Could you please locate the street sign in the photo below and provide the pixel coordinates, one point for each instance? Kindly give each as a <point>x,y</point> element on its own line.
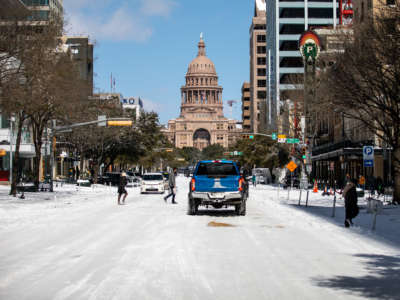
<point>281,138</point>
<point>292,141</point>
<point>274,136</point>
<point>291,166</point>
<point>102,118</point>
<point>368,156</point>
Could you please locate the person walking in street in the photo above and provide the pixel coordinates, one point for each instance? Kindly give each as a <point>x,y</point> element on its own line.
<point>254,179</point>
<point>172,186</point>
<point>350,202</point>
<point>123,181</point>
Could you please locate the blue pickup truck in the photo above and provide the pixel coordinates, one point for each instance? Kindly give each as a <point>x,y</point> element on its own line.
<point>217,183</point>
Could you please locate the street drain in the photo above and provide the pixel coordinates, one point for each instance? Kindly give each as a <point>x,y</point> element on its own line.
<point>218,224</point>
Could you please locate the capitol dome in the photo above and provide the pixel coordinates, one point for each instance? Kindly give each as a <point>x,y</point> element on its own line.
<point>201,65</point>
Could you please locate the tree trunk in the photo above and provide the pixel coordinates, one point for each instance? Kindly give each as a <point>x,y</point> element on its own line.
<point>37,140</point>
<point>15,163</point>
<point>396,175</point>
<point>96,167</point>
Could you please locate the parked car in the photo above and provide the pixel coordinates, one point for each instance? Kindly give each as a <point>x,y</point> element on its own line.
<point>152,182</point>
<point>133,181</point>
<point>217,183</point>
<point>263,175</point>
<point>111,177</point>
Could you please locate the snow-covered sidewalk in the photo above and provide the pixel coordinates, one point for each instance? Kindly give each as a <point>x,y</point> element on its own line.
<point>387,227</point>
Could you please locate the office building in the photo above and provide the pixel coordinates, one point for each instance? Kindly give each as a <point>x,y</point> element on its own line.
<point>44,10</point>
<point>81,50</point>
<point>258,83</point>
<point>286,21</point>
<point>246,104</point>
<point>133,105</point>
<point>11,9</point>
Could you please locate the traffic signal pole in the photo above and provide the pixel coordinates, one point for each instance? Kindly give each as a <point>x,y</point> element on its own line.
<point>62,129</point>
<point>255,133</point>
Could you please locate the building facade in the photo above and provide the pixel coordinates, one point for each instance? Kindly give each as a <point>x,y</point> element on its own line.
<point>134,105</point>
<point>286,21</point>
<point>81,50</point>
<point>246,104</point>
<point>43,10</point>
<point>258,78</point>
<point>201,121</point>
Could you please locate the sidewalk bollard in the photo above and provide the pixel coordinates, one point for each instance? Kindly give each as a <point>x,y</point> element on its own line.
<point>334,206</point>
<point>307,198</point>
<point>374,206</point>
<point>300,196</point>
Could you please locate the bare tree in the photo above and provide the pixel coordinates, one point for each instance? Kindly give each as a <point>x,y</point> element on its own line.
<point>364,82</point>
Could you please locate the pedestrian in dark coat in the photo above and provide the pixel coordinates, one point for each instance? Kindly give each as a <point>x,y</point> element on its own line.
<point>123,181</point>
<point>172,186</point>
<point>350,202</point>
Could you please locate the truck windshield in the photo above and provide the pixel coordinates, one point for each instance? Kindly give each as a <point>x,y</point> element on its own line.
<point>217,169</point>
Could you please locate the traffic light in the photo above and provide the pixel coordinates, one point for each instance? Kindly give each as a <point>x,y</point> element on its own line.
<point>251,137</point>
<point>120,123</point>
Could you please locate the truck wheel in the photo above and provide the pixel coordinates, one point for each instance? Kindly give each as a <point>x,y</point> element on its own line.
<point>237,209</point>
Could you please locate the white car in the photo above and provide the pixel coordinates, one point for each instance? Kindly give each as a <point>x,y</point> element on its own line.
<point>152,182</point>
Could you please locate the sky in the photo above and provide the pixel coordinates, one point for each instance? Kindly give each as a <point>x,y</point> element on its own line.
<point>148,44</point>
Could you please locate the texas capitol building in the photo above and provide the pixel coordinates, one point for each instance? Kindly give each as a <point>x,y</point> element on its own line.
<point>201,122</point>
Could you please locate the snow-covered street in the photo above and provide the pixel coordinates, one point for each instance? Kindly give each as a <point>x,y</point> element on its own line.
<point>79,244</point>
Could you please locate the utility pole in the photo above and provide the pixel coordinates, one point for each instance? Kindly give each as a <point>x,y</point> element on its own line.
<point>309,47</point>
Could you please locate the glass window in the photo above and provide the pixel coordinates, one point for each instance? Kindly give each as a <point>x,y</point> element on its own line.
<point>261,72</point>
<point>261,61</point>
<point>261,83</point>
<point>217,169</point>
<point>261,95</point>
<point>261,49</point>
<point>261,38</point>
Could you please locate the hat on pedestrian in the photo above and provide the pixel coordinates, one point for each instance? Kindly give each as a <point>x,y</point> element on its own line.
<point>123,174</point>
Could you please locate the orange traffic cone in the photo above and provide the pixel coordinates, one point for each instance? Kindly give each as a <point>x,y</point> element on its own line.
<point>325,191</point>
<point>315,190</point>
